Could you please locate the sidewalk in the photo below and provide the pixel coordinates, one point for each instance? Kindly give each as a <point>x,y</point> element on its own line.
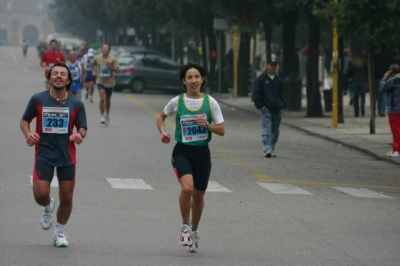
<point>353,133</point>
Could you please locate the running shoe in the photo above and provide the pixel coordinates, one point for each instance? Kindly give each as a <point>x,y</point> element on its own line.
<point>47,216</point>
<point>91,100</point>
<point>270,155</point>
<point>185,238</point>
<point>107,120</point>
<point>103,120</point>
<point>195,242</point>
<point>60,240</point>
<point>393,154</point>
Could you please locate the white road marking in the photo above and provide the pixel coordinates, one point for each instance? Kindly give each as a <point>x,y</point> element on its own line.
<point>214,186</point>
<point>362,192</point>
<point>13,56</point>
<point>128,183</point>
<point>54,182</point>
<point>283,189</point>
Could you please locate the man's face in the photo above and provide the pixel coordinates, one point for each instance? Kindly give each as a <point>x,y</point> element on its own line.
<point>72,56</point>
<point>59,78</point>
<point>53,46</point>
<point>105,49</point>
<point>271,69</point>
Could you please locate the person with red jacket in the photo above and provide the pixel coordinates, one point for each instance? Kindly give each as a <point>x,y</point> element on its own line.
<point>49,58</point>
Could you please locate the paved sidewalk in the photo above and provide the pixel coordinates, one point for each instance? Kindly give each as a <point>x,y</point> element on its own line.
<point>353,133</point>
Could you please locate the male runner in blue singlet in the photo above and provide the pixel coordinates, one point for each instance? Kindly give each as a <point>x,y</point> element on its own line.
<point>78,73</point>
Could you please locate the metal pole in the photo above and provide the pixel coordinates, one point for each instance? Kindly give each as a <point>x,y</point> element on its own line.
<point>235,59</point>
<point>335,75</point>
<point>219,41</point>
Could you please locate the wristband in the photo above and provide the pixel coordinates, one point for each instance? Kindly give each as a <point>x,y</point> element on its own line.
<point>81,135</point>
<point>208,125</point>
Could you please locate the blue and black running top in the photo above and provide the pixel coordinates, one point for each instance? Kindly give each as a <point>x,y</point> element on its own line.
<point>55,122</point>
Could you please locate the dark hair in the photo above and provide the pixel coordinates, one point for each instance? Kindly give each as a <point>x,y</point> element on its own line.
<point>59,64</point>
<point>185,68</point>
<point>109,46</point>
<point>53,40</point>
<point>395,68</point>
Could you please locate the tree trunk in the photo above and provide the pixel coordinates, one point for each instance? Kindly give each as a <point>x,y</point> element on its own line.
<point>372,88</point>
<point>314,107</point>
<point>287,64</point>
<point>244,66</point>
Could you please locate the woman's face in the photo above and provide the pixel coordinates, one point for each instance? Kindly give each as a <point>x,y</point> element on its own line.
<point>193,80</point>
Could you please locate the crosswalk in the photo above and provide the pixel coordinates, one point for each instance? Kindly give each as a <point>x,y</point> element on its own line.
<point>215,186</point>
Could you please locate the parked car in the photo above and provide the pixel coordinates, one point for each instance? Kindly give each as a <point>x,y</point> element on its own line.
<point>147,72</point>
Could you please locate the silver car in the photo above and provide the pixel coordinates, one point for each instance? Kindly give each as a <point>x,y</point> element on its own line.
<point>147,72</point>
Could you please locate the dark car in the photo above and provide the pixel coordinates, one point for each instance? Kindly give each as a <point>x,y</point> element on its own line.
<point>147,72</point>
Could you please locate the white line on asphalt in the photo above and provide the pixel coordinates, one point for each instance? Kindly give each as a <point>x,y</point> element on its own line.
<point>128,183</point>
<point>283,189</point>
<point>214,186</point>
<point>54,182</point>
<point>362,193</point>
<point>13,56</point>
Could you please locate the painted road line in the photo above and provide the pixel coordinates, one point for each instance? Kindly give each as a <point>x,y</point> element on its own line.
<point>128,183</point>
<point>283,189</point>
<point>362,192</point>
<point>214,186</point>
<point>54,182</point>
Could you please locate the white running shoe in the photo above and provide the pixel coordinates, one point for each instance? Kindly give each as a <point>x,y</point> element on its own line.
<point>185,238</point>
<point>60,240</point>
<point>393,154</point>
<point>47,216</point>
<point>107,120</point>
<point>195,242</point>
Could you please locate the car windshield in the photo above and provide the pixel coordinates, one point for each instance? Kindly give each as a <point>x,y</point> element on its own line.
<point>126,61</point>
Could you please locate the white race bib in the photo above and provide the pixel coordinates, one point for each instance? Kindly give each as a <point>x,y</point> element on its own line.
<point>191,131</point>
<point>104,71</point>
<point>55,120</point>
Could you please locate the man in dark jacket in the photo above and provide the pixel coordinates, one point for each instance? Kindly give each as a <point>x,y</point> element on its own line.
<point>268,98</point>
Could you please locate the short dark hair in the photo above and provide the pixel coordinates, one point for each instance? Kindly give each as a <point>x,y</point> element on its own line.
<point>53,40</point>
<point>395,68</point>
<point>59,64</point>
<point>185,68</point>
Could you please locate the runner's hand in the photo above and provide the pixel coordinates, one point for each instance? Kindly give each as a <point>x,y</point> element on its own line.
<point>76,137</point>
<point>165,137</point>
<point>32,139</point>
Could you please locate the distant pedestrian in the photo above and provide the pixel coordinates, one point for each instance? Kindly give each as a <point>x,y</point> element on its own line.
<point>357,76</point>
<point>49,58</point>
<point>194,113</point>
<point>57,113</point>
<point>103,68</point>
<point>78,73</point>
<point>25,48</point>
<point>391,85</point>
<point>268,98</point>
<point>90,79</point>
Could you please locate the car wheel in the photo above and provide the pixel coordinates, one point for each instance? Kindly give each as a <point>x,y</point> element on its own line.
<point>118,89</point>
<point>137,86</point>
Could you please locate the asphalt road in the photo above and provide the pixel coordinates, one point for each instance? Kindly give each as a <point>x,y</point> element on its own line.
<point>317,203</point>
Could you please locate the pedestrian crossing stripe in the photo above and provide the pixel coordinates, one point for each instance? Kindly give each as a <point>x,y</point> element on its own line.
<point>283,189</point>
<point>54,182</point>
<point>362,193</point>
<point>214,186</point>
<point>128,183</point>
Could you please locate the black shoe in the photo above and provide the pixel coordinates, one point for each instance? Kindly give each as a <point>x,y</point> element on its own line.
<point>270,155</point>
<point>351,101</point>
<point>382,114</point>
